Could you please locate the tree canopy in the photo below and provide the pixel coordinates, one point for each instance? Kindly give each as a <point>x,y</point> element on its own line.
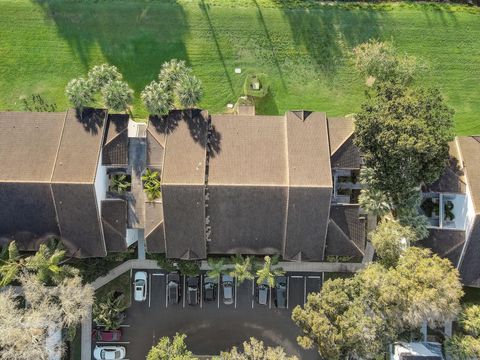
<point>465,345</point>
<point>157,99</point>
<point>117,95</point>
<point>189,91</point>
<point>255,350</point>
<point>171,349</point>
<point>79,93</point>
<point>403,134</point>
<point>360,316</point>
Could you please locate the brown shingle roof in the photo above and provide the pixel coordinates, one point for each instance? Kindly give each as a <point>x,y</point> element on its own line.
<point>115,147</point>
<point>114,220</point>
<point>339,130</point>
<point>308,151</point>
<point>185,150</point>
<point>79,150</point>
<point>29,145</point>
<point>253,151</point>
<point>347,156</point>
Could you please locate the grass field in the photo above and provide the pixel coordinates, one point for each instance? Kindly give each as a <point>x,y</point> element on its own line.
<point>44,43</point>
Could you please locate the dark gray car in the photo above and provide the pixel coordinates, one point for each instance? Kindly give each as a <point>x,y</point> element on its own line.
<point>281,292</point>
<point>263,290</point>
<point>173,286</point>
<point>209,289</point>
<point>193,290</point>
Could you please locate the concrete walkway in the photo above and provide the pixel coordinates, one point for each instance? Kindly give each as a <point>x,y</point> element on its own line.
<point>152,265</point>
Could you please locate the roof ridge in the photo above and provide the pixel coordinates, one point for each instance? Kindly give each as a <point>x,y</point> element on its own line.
<point>155,227</point>
<point>346,236</point>
<point>155,137</point>
<point>113,138</point>
<point>105,222</point>
<point>59,144</point>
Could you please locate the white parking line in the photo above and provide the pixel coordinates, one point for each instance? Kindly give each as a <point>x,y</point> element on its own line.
<point>166,293</point>
<point>112,342</point>
<point>313,277</point>
<point>270,298</point>
<point>201,291</point>
<point>184,290</point>
<point>288,289</point>
<point>296,277</point>
<point>218,293</point>
<point>253,292</point>
<point>304,290</point>
<point>235,288</point>
<point>149,289</point>
<point>158,274</point>
<point>125,325</point>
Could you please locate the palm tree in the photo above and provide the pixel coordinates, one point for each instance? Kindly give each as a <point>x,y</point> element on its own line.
<point>157,98</point>
<point>79,93</point>
<point>216,268</point>
<point>189,91</point>
<point>242,269</point>
<point>268,272</point>
<point>117,95</point>
<point>171,72</point>
<point>102,75</point>
<point>47,264</point>
<point>10,264</point>
<point>108,311</point>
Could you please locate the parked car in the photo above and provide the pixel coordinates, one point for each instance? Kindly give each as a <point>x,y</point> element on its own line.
<point>263,290</point>
<point>281,292</point>
<point>109,353</point>
<point>209,289</point>
<point>227,285</point>
<point>173,288</point>
<point>140,286</point>
<point>110,335</point>
<point>192,290</point>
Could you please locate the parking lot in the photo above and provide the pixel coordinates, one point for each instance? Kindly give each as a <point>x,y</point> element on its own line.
<point>214,326</point>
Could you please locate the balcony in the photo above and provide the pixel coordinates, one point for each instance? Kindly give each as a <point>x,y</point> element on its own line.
<point>445,210</point>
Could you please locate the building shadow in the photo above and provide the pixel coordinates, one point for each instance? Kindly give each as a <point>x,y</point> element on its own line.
<point>91,119</point>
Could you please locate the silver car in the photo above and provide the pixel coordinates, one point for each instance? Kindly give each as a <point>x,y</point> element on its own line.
<point>227,286</point>
<point>109,353</point>
<point>263,290</point>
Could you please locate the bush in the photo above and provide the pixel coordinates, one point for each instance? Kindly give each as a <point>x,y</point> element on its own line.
<point>256,85</point>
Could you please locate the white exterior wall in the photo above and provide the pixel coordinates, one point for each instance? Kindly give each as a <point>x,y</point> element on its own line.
<point>132,236</point>
<point>101,183</point>
<point>470,213</point>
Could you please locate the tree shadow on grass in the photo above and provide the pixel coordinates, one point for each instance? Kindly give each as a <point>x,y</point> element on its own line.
<point>136,37</point>
<point>328,32</point>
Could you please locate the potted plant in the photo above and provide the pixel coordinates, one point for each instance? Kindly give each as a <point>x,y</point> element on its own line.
<point>448,213</point>
<point>152,184</point>
<point>119,183</point>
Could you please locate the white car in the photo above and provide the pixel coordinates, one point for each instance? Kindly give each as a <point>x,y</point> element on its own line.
<point>109,353</point>
<point>140,285</point>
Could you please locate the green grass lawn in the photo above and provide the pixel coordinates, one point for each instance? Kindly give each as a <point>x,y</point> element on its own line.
<point>122,284</point>
<point>44,43</point>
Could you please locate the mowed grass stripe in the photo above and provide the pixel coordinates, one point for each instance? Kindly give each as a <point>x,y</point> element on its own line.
<point>304,51</point>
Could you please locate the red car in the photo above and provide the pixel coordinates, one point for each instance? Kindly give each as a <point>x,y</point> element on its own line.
<point>104,335</point>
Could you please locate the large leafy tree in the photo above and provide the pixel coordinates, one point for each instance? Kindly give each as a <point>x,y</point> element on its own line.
<point>255,350</point>
<point>465,345</point>
<point>117,95</point>
<point>359,316</point>
<point>25,329</point>
<point>79,93</point>
<point>390,240</point>
<point>403,134</point>
<point>380,62</point>
<point>269,271</point>
<point>171,349</point>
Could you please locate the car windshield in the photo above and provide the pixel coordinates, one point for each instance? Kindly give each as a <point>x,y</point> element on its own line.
<point>140,282</point>
<point>227,284</point>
